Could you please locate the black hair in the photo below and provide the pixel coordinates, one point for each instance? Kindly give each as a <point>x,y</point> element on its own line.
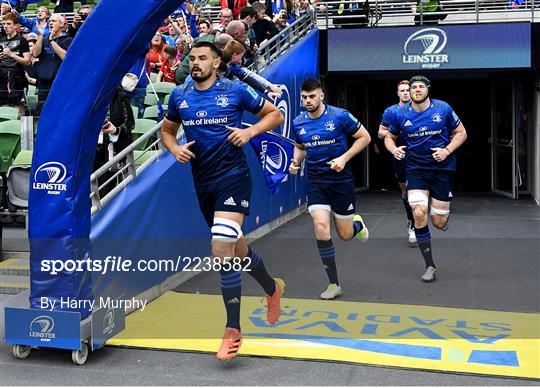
<point>210,45</point>
<point>420,78</point>
<point>310,85</point>
<point>246,11</point>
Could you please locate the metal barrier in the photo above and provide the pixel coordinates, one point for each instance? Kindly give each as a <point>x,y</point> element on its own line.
<point>125,167</point>
<point>278,44</point>
<point>373,13</point>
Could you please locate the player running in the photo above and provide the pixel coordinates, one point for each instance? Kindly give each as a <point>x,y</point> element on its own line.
<point>432,132</point>
<point>400,170</point>
<point>321,136</point>
<point>210,109</point>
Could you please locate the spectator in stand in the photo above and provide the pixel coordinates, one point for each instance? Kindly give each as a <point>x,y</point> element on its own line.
<point>14,56</point>
<point>183,45</point>
<point>34,24</point>
<point>225,17</point>
<point>32,71</point>
<point>64,6</point>
<point>264,28</point>
<point>79,19</point>
<point>168,70</point>
<point>204,27</point>
<point>171,39</point>
<point>237,29</point>
<point>249,16</point>
<point>156,54</point>
<point>115,135</point>
<point>234,5</point>
<point>5,8</point>
<point>51,51</point>
<point>180,25</point>
<point>281,20</point>
<point>136,95</point>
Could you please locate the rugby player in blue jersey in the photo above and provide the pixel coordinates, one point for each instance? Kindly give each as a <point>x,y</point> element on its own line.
<point>400,169</point>
<point>432,132</point>
<point>210,109</point>
<point>322,134</point>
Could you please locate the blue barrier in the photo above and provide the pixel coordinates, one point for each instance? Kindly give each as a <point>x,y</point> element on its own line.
<point>59,208</point>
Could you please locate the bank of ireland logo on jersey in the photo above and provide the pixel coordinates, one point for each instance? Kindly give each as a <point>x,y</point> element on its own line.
<point>49,177</point>
<point>425,48</point>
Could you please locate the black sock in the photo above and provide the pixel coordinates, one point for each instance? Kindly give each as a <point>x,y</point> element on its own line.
<point>408,209</point>
<point>328,257</point>
<point>424,243</point>
<point>231,290</point>
<point>357,227</point>
<point>259,273</point>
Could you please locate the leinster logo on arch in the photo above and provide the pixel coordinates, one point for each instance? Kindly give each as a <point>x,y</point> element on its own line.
<point>50,177</point>
<point>425,48</point>
<point>284,104</point>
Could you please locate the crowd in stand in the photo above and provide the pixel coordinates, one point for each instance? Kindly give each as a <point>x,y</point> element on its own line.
<point>33,47</point>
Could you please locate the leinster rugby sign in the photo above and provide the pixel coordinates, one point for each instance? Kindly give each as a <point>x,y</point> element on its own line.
<point>473,46</point>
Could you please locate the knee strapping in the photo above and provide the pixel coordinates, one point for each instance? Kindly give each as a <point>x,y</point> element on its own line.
<point>418,198</point>
<point>439,212</point>
<point>225,230</point>
<point>311,208</point>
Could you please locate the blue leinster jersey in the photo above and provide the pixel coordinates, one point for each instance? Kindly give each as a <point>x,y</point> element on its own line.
<point>388,117</point>
<point>325,138</point>
<point>204,116</point>
<point>426,130</point>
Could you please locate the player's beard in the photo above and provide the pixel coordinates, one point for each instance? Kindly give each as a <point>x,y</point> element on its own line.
<point>314,108</point>
<point>202,77</point>
<point>417,101</point>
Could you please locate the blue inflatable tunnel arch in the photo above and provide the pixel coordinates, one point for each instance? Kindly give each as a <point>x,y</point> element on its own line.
<point>112,38</point>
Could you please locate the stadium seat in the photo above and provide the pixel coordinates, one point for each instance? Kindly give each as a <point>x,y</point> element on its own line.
<point>32,102</point>
<point>150,99</point>
<point>151,112</point>
<point>166,99</point>
<point>135,111</point>
<point>153,77</point>
<point>162,89</point>
<point>141,127</point>
<point>10,143</point>
<point>32,7</point>
<point>18,179</point>
<point>32,90</point>
<point>141,157</point>
<point>8,113</point>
